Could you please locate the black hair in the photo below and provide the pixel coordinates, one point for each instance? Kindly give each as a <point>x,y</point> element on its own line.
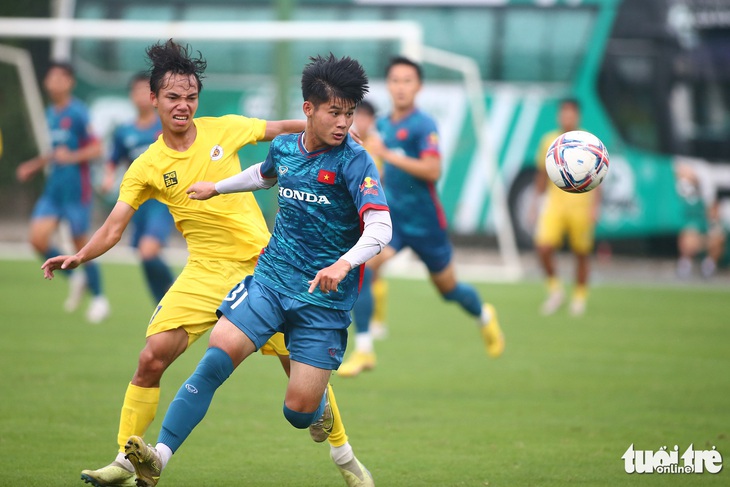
<point>395,61</point>
<point>173,58</point>
<point>367,107</point>
<point>63,65</point>
<point>573,102</point>
<point>139,77</point>
<point>329,78</point>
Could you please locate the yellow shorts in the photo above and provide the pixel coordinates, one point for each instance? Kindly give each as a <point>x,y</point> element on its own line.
<point>555,223</point>
<point>192,300</point>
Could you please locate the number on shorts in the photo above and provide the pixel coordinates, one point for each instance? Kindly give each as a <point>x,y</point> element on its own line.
<point>233,296</point>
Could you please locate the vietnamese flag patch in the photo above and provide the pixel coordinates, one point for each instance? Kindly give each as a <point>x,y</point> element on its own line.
<point>326,177</point>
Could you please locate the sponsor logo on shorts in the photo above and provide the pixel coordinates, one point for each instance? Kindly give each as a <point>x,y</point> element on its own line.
<point>333,351</point>
<point>216,153</point>
<point>294,194</point>
<point>191,389</point>
<point>668,461</point>
<point>170,179</point>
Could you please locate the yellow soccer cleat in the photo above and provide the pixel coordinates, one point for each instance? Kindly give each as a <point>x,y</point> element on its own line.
<point>321,429</point>
<point>146,461</point>
<point>358,362</point>
<point>355,474</point>
<point>113,475</point>
<point>491,332</point>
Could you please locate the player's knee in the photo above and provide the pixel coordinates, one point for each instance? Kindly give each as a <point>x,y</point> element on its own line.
<point>39,243</point>
<point>149,248</point>
<point>297,419</point>
<point>150,368</point>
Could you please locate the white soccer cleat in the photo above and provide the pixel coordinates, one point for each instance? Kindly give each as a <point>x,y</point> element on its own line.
<point>578,306</point>
<point>355,474</point>
<point>553,302</point>
<point>113,475</point>
<point>98,309</point>
<point>76,288</point>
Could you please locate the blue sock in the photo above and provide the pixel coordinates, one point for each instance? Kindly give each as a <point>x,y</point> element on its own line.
<point>158,275</point>
<point>53,252</point>
<point>303,420</point>
<point>93,278</point>
<point>362,312</point>
<point>467,297</point>
<point>193,399</point>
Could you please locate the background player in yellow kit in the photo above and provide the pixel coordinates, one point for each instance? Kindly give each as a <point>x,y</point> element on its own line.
<point>564,214</point>
<point>224,238</point>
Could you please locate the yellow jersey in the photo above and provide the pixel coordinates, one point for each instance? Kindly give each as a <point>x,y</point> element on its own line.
<point>556,197</point>
<point>227,227</point>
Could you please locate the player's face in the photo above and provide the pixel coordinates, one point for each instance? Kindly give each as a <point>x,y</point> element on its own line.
<point>140,96</point>
<point>58,83</point>
<point>403,85</point>
<point>176,102</point>
<point>363,122</point>
<point>328,122</point>
<point>568,117</point>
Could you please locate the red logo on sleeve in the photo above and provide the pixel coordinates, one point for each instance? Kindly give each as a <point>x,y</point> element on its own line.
<point>369,186</point>
<point>326,177</point>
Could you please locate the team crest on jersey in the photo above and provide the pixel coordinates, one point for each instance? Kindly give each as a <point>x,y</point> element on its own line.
<point>369,186</point>
<point>401,134</point>
<point>283,170</point>
<point>216,153</point>
<point>170,179</point>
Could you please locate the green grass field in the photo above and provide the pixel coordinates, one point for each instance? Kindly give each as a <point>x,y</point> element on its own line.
<point>648,366</point>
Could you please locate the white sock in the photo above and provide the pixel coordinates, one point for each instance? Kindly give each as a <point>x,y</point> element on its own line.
<point>124,462</point>
<point>342,454</point>
<point>165,454</point>
<point>364,342</point>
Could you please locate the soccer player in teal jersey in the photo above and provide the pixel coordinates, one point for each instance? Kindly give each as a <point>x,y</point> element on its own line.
<point>152,221</point>
<point>333,217</point>
<point>67,194</point>
<point>412,166</point>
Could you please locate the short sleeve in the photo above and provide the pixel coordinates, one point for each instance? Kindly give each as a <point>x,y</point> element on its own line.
<point>428,139</point>
<point>246,130</point>
<point>268,168</point>
<point>363,183</point>
<point>134,189</point>
<point>82,126</point>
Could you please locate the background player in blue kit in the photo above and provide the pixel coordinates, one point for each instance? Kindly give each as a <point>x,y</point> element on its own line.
<point>67,194</point>
<point>410,151</point>
<point>152,222</point>
<point>332,218</point>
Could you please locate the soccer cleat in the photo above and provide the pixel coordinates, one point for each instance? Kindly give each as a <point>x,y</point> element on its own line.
<point>145,460</point>
<point>577,306</point>
<point>113,475</point>
<point>358,362</point>
<point>491,332</point>
<point>321,429</point>
<point>98,309</point>
<point>355,474</point>
<point>76,287</point>
<point>553,302</point>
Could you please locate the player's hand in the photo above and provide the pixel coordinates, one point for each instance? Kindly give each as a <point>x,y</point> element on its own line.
<point>202,190</point>
<point>25,171</point>
<point>62,262</point>
<point>328,278</point>
<point>63,155</point>
<point>107,183</point>
<point>355,136</point>
<point>376,147</point>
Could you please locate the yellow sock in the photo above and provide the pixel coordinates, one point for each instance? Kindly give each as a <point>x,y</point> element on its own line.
<point>138,411</point>
<point>338,437</point>
<point>581,292</point>
<point>380,292</point>
<point>553,284</point>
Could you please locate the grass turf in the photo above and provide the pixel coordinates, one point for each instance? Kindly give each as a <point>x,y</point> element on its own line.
<point>647,366</point>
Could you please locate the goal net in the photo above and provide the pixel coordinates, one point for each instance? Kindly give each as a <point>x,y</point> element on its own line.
<point>253,68</point>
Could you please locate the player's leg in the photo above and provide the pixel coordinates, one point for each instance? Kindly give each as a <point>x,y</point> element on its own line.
<point>378,327</point>
<point>580,233</point>
<point>78,216</point>
<point>689,244</point>
<point>153,225</point>
<point>548,238</point>
<point>363,357</point>
<point>715,249</point>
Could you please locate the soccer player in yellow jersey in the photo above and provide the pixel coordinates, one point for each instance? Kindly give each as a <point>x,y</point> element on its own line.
<point>564,213</point>
<point>224,237</point>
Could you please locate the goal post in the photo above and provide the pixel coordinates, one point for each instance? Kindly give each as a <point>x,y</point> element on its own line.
<point>407,34</point>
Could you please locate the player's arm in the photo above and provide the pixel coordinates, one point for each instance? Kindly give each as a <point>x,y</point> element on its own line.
<point>376,234</point>
<point>91,150</point>
<point>426,167</point>
<point>250,179</point>
<point>103,239</point>
<point>27,169</point>
<point>278,127</point>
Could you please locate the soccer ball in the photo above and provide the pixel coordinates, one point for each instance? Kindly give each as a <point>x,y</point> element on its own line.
<point>577,161</point>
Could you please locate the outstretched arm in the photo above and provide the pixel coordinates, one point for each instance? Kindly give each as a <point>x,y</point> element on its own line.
<point>426,167</point>
<point>250,179</point>
<point>278,127</point>
<point>103,239</point>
